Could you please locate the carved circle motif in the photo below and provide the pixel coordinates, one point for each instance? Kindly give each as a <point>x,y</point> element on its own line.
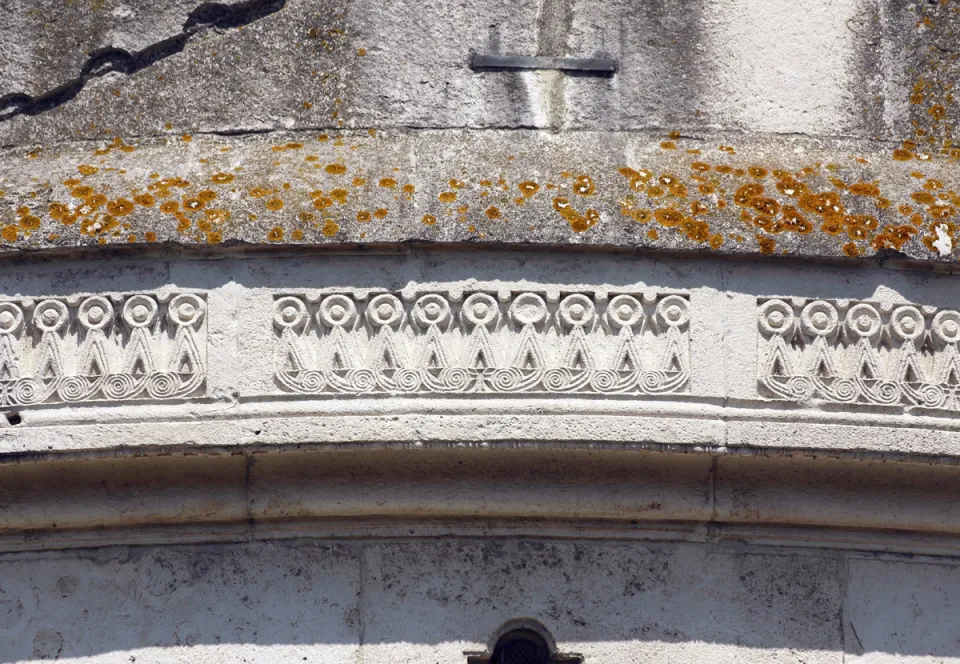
<point>556,380</point>
<point>624,311</point>
<point>455,379</point>
<point>907,323</point>
<point>119,386</point>
<point>50,315</point>
<point>186,309</point>
<point>11,317</point>
<point>845,389</point>
<point>507,379</point>
<point>528,309</point>
<point>95,313</point>
<point>289,312</point>
<point>863,321</point>
<point>776,317</point>
<point>312,381</point>
<point>28,391</point>
<point>162,385</point>
<point>604,380</point>
<point>407,380</point>
<point>946,326</point>
<point>362,380</point>
<point>577,310</point>
<point>480,309</point>
<point>819,318</point>
<point>652,380</point>
<point>384,310</point>
<point>673,311</point>
<point>888,392</point>
<point>139,311</point>
<point>932,395</point>
<point>73,388</point>
<point>801,387</point>
<point>431,310</point>
<point>337,311</point>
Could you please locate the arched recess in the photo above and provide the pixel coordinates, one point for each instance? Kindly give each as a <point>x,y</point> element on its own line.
<point>522,641</point>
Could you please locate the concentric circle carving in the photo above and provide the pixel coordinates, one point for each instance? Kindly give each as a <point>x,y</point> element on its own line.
<point>480,309</point>
<point>95,313</point>
<point>946,326</point>
<point>50,315</point>
<point>624,311</point>
<point>384,310</point>
<point>186,309</point>
<point>776,317</point>
<point>863,321</point>
<point>819,318</point>
<point>907,323</point>
<point>289,312</point>
<point>528,309</point>
<point>673,311</point>
<point>139,311</point>
<point>337,311</point>
<point>431,310</point>
<point>577,310</point>
<point>11,318</point>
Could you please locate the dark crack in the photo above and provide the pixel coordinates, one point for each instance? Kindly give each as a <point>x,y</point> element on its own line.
<point>107,60</point>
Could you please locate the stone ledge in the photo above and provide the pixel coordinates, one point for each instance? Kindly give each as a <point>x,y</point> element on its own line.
<point>727,194</point>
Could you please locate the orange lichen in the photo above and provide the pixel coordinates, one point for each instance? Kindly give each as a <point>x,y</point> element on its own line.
<point>9,233</point>
<point>767,245</point>
<point>336,169</point>
<point>120,207</point>
<point>275,234</point>
<point>274,204</point>
<point>902,155</point>
<point>429,220</point>
<point>146,200</point>
<point>409,189</point>
<point>260,192</point>
<point>447,197</point>
<point>330,228</point>
<point>668,145</point>
<point>381,213</point>
<point>492,213</point>
<point>169,207</point>
<point>82,191</point>
<point>87,170</point>
<point>388,183</point>
<point>222,178</point>
<point>363,216</point>
<point>583,186</point>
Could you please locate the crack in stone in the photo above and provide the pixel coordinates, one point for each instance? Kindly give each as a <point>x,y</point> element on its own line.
<point>102,61</point>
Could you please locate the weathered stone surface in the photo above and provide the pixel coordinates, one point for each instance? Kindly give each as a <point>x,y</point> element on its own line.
<point>730,194</point>
<point>896,611</point>
<point>610,602</point>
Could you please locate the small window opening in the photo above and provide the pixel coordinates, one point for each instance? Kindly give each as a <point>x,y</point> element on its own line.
<point>523,642</point>
<point>13,419</point>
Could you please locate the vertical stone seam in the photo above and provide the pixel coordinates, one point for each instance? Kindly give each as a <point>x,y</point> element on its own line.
<point>554,21</point>
<point>713,528</point>
<point>361,604</point>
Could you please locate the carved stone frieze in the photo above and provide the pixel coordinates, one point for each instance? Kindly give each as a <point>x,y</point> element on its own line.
<point>859,352</point>
<point>113,347</point>
<point>482,342</point>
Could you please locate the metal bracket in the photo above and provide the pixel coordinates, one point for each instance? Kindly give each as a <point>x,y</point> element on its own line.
<point>599,66</point>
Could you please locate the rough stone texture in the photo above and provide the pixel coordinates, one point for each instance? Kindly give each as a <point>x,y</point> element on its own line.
<point>898,612</point>
<point>848,93</point>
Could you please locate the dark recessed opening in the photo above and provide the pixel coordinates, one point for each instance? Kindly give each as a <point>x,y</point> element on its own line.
<point>13,419</point>
<point>521,646</point>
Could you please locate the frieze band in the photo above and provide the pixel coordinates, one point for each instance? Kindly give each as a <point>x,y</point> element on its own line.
<point>117,347</point>
<point>859,352</point>
<point>482,343</point>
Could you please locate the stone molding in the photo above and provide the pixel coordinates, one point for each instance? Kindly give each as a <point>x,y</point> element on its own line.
<point>859,352</point>
<point>482,342</point>
<point>111,347</point>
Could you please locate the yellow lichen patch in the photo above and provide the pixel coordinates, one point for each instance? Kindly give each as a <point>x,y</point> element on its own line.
<point>381,213</point>
<point>429,220</point>
<point>336,169</point>
<point>447,197</point>
<point>409,189</point>
<point>322,202</point>
<point>528,188</point>
<point>583,186</point>
<point>339,196</point>
<point>388,183</point>
<point>457,184</point>
<point>192,204</point>
<point>758,172</point>
<point>359,182</point>
<point>275,234</point>
<point>29,222</point>
<point>363,216</point>
<point>120,207</point>
<point>260,192</point>
<point>9,233</point>
<point>222,178</point>
<point>668,145</point>
<point>864,189</point>
<point>902,155</point>
<point>87,170</point>
<point>492,212</point>
<point>274,204</point>
<point>83,191</point>
<point>146,200</point>
<point>287,146</point>
<point>330,228</point>
<point>169,207</point>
